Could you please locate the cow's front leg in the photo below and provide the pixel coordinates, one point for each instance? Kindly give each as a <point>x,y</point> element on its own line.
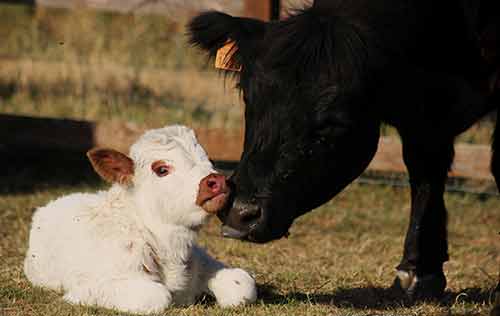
<point>420,272</point>
<point>495,169</point>
<point>496,301</point>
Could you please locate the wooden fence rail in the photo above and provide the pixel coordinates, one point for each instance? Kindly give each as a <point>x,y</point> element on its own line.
<point>471,161</point>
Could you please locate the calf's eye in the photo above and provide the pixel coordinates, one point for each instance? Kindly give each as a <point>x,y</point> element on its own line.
<point>160,168</point>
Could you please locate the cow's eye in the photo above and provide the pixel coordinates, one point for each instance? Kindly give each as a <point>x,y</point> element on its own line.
<point>160,168</point>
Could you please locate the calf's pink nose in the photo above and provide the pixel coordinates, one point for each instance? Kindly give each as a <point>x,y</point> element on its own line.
<point>212,192</point>
<point>214,182</point>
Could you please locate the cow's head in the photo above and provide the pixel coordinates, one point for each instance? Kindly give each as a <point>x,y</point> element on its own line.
<point>309,131</point>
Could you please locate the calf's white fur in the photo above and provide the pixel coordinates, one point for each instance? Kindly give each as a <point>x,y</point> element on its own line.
<point>133,247</point>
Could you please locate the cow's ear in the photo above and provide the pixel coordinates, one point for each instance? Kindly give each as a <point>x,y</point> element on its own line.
<point>112,165</point>
<point>212,30</point>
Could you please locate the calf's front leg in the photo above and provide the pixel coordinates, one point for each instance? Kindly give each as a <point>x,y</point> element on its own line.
<point>229,286</point>
<point>135,295</point>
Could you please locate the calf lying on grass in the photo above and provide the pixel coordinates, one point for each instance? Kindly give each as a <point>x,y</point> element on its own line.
<point>133,247</point>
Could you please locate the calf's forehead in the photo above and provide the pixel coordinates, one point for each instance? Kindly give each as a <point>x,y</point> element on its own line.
<point>176,144</point>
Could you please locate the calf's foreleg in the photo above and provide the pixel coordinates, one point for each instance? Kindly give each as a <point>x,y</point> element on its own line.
<point>135,295</point>
<point>229,286</point>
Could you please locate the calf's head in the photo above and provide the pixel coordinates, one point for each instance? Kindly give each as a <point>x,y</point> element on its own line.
<point>168,176</point>
<point>308,132</point>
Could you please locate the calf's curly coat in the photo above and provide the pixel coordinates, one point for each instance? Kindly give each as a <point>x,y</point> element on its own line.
<point>133,247</point>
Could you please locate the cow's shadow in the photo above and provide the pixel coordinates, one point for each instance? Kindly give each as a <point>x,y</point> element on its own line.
<point>369,297</point>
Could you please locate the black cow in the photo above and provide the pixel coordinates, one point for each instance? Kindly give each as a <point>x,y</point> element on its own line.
<point>318,85</point>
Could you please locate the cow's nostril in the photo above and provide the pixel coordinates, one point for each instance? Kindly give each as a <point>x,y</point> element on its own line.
<point>250,215</point>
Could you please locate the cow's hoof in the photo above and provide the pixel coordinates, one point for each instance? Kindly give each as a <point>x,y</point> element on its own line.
<point>420,288</point>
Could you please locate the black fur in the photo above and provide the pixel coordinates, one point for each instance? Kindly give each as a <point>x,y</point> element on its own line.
<point>211,30</point>
<point>318,85</point>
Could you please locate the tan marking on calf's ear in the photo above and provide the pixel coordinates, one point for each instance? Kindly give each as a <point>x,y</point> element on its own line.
<point>112,165</point>
<point>224,59</point>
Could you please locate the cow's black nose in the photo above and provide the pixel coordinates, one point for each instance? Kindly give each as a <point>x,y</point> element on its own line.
<point>245,215</point>
<point>250,215</point>
<point>241,219</point>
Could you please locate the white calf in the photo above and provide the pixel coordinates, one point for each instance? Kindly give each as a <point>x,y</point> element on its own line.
<point>133,247</point>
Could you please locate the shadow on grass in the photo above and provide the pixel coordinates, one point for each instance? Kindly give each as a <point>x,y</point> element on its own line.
<point>368,297</point>
<point>31,170</point>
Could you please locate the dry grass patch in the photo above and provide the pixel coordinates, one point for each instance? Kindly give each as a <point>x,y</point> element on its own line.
<point>109,91</point>
<point>93,65</point>
<point>338,260</point>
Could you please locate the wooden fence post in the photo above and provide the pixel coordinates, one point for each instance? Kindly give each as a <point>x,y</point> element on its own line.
<point>263,9</point>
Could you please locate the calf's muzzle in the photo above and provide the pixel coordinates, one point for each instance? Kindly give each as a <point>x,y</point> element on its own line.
<point>213,193</point>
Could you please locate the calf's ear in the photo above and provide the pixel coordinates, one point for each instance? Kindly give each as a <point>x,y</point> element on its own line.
<point>112,165</point>
<point>212,30</point>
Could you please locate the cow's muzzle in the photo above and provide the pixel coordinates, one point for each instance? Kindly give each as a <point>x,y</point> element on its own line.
<point>240,220</point>
<point>250,222</point>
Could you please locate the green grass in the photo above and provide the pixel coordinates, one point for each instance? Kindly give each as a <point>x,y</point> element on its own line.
<point>338,260</point>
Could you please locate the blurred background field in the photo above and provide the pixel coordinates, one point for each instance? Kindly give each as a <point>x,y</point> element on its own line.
<point>94,65</point>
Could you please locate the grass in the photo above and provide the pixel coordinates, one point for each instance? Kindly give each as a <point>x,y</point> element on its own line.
<point>105,92</point>
<point>91,65</point>
<point>338,260</point>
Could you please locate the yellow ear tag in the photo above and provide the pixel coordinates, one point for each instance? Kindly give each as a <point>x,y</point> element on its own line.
<point>224,57</point>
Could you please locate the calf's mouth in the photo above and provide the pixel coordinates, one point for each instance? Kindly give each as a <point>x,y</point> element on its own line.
<point>215,203</point>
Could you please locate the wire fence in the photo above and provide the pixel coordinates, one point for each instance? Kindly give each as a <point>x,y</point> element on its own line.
<point>483,189</point>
